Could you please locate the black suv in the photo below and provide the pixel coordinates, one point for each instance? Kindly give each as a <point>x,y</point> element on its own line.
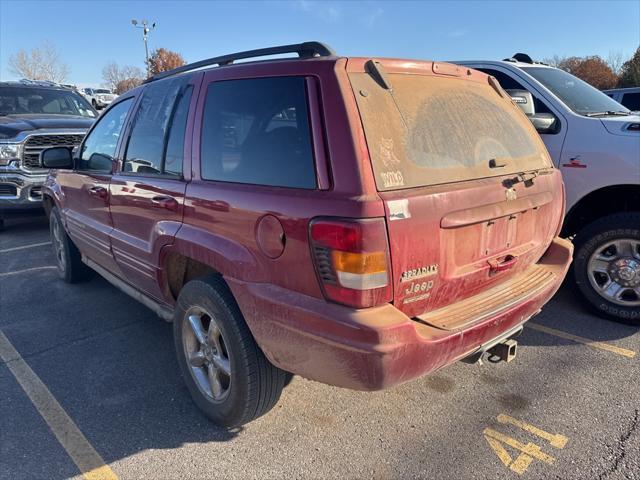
<point>34,116</point>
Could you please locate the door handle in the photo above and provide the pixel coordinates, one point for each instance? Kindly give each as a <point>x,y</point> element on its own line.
<point>500,266</point>
<point>169,203</point>
<point>99,192</point>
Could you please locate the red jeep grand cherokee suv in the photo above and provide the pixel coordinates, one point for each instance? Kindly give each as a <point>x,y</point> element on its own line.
<point>359,222</point>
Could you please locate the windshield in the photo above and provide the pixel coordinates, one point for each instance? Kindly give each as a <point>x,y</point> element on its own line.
<point>579,96</point>
<point>29,100</point>
<point>102,91</point>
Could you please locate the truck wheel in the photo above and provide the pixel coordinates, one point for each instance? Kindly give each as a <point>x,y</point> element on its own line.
<point>607,266</point>
<point>227,374</point>
<point>68,258</point>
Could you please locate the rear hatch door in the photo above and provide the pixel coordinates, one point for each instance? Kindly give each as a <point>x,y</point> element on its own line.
<point>471,197</point>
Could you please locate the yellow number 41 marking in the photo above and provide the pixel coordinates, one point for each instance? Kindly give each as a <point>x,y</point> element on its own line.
<point>529,451</point>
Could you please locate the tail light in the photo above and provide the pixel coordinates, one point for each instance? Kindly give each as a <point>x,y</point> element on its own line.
<point>352,260</point>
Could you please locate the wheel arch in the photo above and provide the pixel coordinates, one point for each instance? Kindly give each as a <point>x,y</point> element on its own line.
<point>599,203</point>
<point>197,253</point>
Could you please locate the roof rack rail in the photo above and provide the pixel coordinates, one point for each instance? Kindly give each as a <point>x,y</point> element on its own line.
<point>43,83</point>
<point>304,50</point>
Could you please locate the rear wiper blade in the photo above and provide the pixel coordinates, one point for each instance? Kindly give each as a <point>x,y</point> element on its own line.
<point>608,112</point>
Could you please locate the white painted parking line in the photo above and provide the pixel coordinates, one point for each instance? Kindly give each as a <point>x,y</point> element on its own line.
<point>86,458</point>
<point>26,270</point>
<point>22,247</point>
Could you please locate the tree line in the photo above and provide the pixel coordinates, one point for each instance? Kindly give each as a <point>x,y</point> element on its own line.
<point>603,74</point>
<point>122,78</point>
<point>44,63</point>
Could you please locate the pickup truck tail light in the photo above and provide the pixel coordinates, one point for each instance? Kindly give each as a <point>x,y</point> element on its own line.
<point>352,260</point>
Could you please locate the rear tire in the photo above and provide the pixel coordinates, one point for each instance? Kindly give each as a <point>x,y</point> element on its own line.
<point>68,257</point>
<point>227,375</point>
<point>606,266</point>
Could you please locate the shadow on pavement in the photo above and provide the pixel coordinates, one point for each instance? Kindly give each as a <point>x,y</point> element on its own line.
<point>568,312</point>
<point>25,223</point>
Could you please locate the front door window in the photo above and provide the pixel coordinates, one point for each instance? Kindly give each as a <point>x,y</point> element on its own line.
<point>99,148</point>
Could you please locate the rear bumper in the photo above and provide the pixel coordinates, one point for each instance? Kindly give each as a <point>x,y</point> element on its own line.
<point>375,348</point>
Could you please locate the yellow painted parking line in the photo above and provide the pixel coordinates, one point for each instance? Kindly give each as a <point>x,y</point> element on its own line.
<point>27,270</point>
<point>586,341</point>
<point>85,457</point>
<point>557,440</point>
<point>22,247</point>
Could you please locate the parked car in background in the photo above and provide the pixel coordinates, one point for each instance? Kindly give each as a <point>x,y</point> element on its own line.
<point>99,97</point>
<point>595,142</point>
<point>629,97</point>
<point>34,116</point>
<point>355,221</point>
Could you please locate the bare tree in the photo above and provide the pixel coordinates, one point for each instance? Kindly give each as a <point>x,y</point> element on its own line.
<point>113,75</point>
<point>554,61</point>
<point>615,60</point>
<point>41,63</point>
<point>127,84</point>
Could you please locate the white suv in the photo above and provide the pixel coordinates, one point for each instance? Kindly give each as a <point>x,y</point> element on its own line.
<point>99,97</point>
<point>595,141</point>
<point>629,97</point>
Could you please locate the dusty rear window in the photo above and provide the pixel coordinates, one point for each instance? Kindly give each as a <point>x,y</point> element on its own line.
<point>430,130</point>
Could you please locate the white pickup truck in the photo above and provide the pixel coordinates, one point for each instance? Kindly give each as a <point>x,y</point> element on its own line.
<point>595,141</point>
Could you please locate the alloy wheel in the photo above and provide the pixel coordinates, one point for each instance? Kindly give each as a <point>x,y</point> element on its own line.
<point>614,271</point>
<point>206,354</point>
<point>58,244</point>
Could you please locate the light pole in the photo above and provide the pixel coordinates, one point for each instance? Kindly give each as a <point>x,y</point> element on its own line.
<point>144,25</point>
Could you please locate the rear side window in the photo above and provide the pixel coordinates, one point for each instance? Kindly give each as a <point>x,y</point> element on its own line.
<point>430,130</point>
<point>256,131</point>
<point>156,141</point>
<point>631,101</point>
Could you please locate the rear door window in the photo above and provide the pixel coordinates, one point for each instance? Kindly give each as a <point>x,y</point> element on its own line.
<point>156,141</point>
<point>431,130</point>
<point>256,131</point>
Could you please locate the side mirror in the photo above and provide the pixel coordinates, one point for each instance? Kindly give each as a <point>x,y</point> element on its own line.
<point>544,122</point>
<point>56,157</point>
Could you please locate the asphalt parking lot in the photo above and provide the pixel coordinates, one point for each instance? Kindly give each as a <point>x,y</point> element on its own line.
<point>565,408</point>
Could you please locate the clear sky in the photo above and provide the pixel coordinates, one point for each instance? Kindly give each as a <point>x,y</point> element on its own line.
<point>90,34</point>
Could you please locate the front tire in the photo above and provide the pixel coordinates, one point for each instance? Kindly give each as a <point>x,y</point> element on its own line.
<point>68,257</point>
<point>607,266</point>
<point>227,375</point>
